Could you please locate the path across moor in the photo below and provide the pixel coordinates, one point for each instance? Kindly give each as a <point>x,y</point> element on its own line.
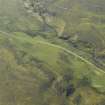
<point>66,50</point>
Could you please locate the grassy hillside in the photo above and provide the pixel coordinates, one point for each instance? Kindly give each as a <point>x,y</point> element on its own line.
<point>32,69</point>
<point>54,55</point>
<point>78,23</point>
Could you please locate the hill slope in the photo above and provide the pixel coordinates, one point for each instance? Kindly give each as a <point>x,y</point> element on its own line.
<point>53,58</point>
<point>78,23</point>
<point>33,70</point>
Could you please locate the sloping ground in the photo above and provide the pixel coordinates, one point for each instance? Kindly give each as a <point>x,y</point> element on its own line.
<point>35,72</point>
<point>40,63</point>
<point>78,23</point>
